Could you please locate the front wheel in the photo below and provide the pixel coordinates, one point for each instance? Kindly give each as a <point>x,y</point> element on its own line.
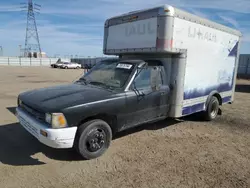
<point>212,109</point>
<point>93,139</point>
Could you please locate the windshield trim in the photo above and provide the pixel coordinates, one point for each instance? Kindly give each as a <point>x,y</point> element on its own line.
<point>126,83</point>
<point>132,78</point>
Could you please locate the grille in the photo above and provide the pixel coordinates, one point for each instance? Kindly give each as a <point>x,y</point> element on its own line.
<point>30,128</point>
<point>34,113</point>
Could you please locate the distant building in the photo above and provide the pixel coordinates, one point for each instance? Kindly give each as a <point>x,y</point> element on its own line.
<point>244,66</point>
<point>43,55</point>
<point>36,55</point>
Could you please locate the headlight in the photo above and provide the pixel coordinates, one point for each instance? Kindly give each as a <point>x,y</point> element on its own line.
<point>56,120</point>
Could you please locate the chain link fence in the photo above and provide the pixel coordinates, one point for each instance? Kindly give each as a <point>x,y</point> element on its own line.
<point>88,63</point>
<point>21,61</point>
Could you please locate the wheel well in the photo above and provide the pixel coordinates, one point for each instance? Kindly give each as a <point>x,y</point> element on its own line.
<point>110,119</point>
<point>217,95</point>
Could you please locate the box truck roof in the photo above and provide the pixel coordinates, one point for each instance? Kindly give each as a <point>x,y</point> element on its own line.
<point>162,29</point>
<point>167,10</point>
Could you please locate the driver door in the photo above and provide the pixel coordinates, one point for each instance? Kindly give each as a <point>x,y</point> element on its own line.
<point>143,103</point>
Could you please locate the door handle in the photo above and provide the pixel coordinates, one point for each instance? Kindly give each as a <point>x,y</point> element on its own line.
<point>163,93</point>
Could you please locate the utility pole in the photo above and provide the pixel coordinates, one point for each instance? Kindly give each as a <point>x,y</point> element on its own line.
<point>31,29</point>
<point>20,48</point>
<point>1,51</point>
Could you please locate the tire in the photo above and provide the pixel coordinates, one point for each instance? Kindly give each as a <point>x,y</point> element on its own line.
<point>97,132</point>
<point>66,67</point>
<point>77,67</point>
<point>212,109</point>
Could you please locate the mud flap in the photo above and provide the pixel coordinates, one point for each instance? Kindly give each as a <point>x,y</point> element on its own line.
<point>220,112</point>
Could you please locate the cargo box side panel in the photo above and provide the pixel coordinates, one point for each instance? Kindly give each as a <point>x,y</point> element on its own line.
<point>211,62</point>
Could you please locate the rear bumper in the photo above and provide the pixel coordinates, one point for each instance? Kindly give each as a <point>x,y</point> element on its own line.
<point>56,138</point>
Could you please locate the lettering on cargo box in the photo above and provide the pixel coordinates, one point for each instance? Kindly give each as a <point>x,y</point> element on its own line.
<point>139,29</point>
<point>201,35</point>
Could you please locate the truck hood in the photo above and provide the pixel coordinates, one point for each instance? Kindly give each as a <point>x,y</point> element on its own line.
<point>56,98</point>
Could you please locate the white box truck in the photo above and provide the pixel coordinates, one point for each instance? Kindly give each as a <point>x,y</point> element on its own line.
<point>171,64</point>
<point>200,56</point>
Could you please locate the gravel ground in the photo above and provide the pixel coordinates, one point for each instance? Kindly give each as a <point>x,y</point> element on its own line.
<point>183,153</point>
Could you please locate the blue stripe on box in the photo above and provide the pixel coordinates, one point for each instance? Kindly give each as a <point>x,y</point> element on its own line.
<point>226,99</point>
<point>233,52</point>
<point>200,107</point>
<point>195,93</point>
<point>192,109</point>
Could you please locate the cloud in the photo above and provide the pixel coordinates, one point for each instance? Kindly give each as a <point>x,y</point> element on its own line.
<point>232,21</point>
<point>246,38</point>
<point>199,13</point>
<point>242,6</point>
<point>225,10</point>
<point>76,26</point>
<point>9,8</point>
<point>104,6</point>
<point>53,39</point>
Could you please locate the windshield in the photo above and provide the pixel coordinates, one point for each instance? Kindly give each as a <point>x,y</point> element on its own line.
<point>109,73</point>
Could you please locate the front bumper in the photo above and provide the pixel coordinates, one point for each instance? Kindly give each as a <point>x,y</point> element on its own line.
<point>56,138</point>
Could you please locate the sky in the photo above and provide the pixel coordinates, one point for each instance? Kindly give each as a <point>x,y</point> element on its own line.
<point>75,27</point>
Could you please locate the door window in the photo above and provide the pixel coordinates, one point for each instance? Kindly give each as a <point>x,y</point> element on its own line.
<point>143,80</point>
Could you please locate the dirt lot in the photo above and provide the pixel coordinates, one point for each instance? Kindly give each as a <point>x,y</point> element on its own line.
<point>186,153</point>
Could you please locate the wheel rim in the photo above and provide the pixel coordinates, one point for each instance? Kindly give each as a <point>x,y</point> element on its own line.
<point>214,109</point>
<point>96,140</point>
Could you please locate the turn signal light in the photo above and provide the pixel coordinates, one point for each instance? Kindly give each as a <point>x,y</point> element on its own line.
<point>43,133</point>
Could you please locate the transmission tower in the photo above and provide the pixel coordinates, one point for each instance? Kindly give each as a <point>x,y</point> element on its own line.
<point>32,43</point>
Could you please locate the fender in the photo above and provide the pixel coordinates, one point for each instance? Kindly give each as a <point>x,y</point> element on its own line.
<point>213,93</point>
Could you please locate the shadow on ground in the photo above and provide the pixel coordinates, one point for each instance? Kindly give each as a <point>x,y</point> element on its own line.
<point>150,126</point>
<point>159,125</point>
<point>12,110</point>
<point>243,88</point>
<point>17,146</point>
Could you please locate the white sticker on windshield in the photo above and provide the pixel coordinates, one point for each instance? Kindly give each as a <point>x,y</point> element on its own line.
<point>124,66</point>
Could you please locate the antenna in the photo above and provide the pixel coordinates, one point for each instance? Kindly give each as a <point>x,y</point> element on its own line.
<point>32,43</point>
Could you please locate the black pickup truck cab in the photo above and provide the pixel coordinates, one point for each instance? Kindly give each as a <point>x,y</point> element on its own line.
<point>113,96</point>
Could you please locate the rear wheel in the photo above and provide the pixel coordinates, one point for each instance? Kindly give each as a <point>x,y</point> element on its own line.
<point>212,109</point>
<point>93,139</point>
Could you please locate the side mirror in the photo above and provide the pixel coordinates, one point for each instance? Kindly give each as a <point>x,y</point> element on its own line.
<point>155,79</point>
